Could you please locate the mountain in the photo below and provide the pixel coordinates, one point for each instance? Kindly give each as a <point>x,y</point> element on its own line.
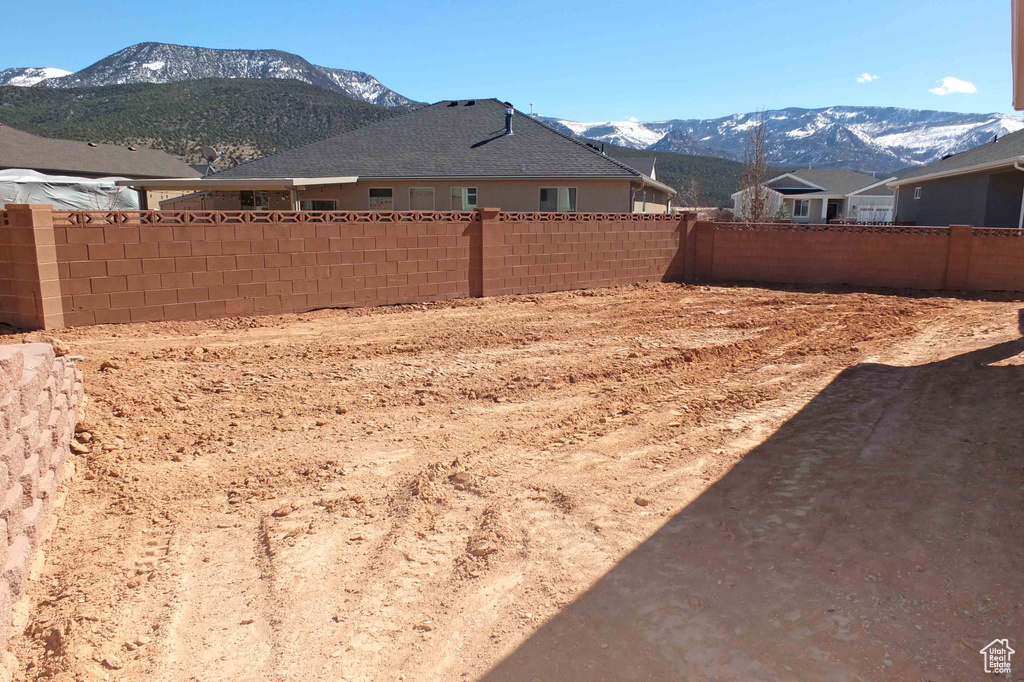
<point>241,118</point>
<point>247,118</point>
<point>27,76</point>
<point>882,139</point>
<point>165,63</point>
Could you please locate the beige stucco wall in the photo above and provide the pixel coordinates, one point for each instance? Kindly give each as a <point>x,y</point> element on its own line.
<point>155,196</point>
<point>813,214</point>
<point>510,195</point>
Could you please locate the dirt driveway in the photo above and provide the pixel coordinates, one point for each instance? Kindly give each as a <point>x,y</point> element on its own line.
<point>643,483</point>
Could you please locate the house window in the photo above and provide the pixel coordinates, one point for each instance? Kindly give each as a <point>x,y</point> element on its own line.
<point>801,208</point>
<point>557,199</point>
<point>255,201</point>
<point>917,193</point>
<point>318,205</point>
<point>421,198</point>
<point>463,198</point>
<point>382,199</point>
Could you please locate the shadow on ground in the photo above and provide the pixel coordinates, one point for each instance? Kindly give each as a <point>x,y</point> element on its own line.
<point>876,535</point>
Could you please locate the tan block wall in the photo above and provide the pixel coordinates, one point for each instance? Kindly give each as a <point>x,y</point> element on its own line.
<point>29,284</point>
<point>134,271</point>
<point>523,253</point>
<point>162,265</point>
<point>956,257</point>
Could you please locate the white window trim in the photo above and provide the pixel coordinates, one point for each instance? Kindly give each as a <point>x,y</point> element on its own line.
<point>465,198</point>
<point>806,203</point>
<point>433,199</point>
<point>572,187</point>
<point>917,193</point>
<point>368,198</point>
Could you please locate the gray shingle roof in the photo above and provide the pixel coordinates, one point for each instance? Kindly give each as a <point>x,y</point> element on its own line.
<point>1008,149</point>
<point>836,180</point>
<point>19,149</point>
<point>643,163</point>
<point>447,139</point>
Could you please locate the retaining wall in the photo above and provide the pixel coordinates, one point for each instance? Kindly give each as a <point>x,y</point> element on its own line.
<point>39,398</point>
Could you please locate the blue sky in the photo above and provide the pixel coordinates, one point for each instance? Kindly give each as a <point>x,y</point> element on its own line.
<point>594,60</point>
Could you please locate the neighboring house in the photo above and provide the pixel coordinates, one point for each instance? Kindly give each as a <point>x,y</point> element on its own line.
<point>647,164</point>
<point>71,160</point>
<point>983,187</point>
<point>820,195</point>
<point>453,155</point>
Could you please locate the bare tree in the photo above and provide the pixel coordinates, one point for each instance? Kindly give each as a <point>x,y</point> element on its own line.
<point>692,192</point>
<point>759,201</point>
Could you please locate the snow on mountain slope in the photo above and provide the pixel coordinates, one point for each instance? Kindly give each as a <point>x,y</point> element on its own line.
<point>880,139</point>
<point>632,134</point>
<point>28,76</point>
<point>164,63</point>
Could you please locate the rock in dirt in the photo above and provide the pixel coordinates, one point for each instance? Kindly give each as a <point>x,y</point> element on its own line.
<point>482,548</point>
<point>642,501</point>
<point>60,348</point>
<point>78,448</point>
<point>284,510</point>
<point>108,365</point>
<point>83,427</point>
<point>112,662</point>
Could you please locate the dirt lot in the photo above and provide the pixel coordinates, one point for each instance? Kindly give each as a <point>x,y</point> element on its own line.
<point>646,483</point>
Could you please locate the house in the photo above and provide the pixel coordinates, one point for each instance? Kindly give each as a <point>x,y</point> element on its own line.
<point>647,164</point>
<point>821,195</point>
<point>453,155</point>
<point>35,164</point>
<point>983,187</point>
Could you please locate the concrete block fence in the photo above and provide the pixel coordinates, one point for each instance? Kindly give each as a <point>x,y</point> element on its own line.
<point>39,399</point>
<point>70,268</point>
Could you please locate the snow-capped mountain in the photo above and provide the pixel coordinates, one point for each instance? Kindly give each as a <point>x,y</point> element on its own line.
<point>880,139</point>
<point>164,63</point>
<point>27,76</point>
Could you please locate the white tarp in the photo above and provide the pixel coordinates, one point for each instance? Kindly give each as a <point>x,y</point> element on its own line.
<point>65,192</point>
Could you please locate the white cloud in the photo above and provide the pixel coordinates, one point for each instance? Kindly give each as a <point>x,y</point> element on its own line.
<point>867,77</point>
<point>634,119</point>
<point>952,86</point>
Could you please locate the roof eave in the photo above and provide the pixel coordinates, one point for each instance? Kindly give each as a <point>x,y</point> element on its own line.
<point>202,183</point>
<point>992,165</point>
<point>872,186</point>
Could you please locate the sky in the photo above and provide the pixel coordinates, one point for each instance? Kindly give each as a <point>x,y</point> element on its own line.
<point>591,61</point>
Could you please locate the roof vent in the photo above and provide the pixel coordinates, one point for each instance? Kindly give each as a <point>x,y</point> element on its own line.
<point>93,144</point>
<point>452,104</point>
<point>508,120</point>
<point>470,102</point>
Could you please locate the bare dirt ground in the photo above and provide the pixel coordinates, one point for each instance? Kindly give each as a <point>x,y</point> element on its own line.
<point>643,483</point>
